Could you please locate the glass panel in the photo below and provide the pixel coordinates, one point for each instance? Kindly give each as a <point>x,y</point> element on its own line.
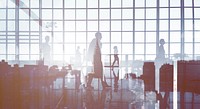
<point>105,37</point>
<point>104,25</point>
<point>23,26</point>
<point>115,3</point>
<point>104,14</point>
<point>34,48</point>
<point>175,3</point>
<point>115,37</point>
<point>115,25</point>
<point>151,25</point>
<point>188,24</point>
<point>188,48</point>
<point>197,50</point>
<point>3,49</point>
<point>3,4</point>
<point>81,4</point>
<point>92,14</point>
<point>104,3</point>
<point>139,13</point>
<point>23,57</point>
<point>127,3</point>
<point>151,49</point>
<point>57,14</point>
<point>187,2</point>
<point>105,49</point>
<point>24,48</point>
<point>175,24</point>
<point>150,13</point>
<point>188,37</point>
<point>139,37</point>
<point>80,14</point>
<point>139,48</point>
<point>150,57</point>
<point>68,48</point>
<point>164,35</point>
<point>58,37</point>
<point>127,37</point>
<point>47,14</point>
<point>175,37</point>
<point>34,57</point>
<point>70,14</point>
<point>47,3</point>
<point>175,48</point>
<point>69,3</point>
<point>115,14</point>
<point>164,13</point>
<point>127,25</point>
<point>11,4</point>
<point>164,24</point>
<point>150,36</point>
<point>127,14</point>
<point>58,26</point>
<point>57,49</point>
<point>151,3</point>
<point>24,14</point>
<point>34,3</point>
<point>164,3</point>
<point>127,49</point>
<point>188,12</point>
<point>196,12</point>
<point>69,25</point>
<point>2,14</point>
<point>81,26</point>
<point>139,57</point>
<point>24,4</point>
<point>175,13</point>
<point>34,14</point>
<point>34,26</point>
<point>139,3</point>
<point>139,25</point>
<point>92,26</point>
<point>196,3</point>
<point>81,37</point>
<point>11,49</point>
<point>69,37</point>
<point>92,3</point>
<point>11,14</point>
<point>57,3</point>
<point>11,26</point>
<point>11,57</point>
<point>197,24</point>
<point>197,36</point>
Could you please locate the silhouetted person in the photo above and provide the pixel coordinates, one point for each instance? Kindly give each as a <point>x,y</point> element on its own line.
<point>160,57</point>
<point>78,57</point>
<point>46,51</point>
<point>94,56</point>
<point>116,58</point>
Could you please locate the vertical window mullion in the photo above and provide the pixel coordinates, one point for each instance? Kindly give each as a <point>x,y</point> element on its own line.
<point>133,30</point>
<point>145,31</point>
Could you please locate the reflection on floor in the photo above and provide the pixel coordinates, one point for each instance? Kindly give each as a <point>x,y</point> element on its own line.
<point>130,94</point>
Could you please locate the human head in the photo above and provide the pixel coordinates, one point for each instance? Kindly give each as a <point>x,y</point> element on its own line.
<point>162,41</point>
<point>115,47</point>
<point>47,38</point>
<point>98,35</point>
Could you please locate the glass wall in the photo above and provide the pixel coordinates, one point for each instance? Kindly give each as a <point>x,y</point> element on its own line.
<point>135,26</point>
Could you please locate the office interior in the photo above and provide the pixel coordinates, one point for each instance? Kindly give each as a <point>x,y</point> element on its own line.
<point>44,46</point>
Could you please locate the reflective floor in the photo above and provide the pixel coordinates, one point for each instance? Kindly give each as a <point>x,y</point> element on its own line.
<point>129,94</point>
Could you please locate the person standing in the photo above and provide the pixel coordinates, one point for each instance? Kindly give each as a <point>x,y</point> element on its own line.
<point>94,57</point>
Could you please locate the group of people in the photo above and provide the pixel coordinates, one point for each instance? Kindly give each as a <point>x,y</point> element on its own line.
<point>93,57</point>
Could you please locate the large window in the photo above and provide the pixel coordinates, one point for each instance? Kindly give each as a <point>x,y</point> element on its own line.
<point>135,26</point>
